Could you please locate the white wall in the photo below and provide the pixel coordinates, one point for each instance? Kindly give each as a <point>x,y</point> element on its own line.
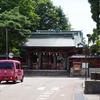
<point>93,70</point>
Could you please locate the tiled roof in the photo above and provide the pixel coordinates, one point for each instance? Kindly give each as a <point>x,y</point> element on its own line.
<point>50,43</point>
<point>83,56</point>
<point>53,39</point>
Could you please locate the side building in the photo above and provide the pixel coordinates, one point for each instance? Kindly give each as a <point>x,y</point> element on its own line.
<point>84,65</point>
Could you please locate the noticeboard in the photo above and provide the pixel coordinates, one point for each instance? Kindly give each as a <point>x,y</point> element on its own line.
<point>77,67</point>
<point>84,65</point>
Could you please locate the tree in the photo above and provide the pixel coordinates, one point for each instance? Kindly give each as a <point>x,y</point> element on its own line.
<point>16,25</point>
<point>51,17</point>
<point>26,8</point>
<point>95,10</point>
<point>63,22</point>
<point>41,13</point>
<point>47,13</point>
<point>94,5</point>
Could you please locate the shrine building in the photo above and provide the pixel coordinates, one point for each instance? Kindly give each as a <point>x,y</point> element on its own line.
<point>51,49</point>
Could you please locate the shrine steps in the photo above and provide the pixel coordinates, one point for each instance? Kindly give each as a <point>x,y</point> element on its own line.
<point>29,73</point>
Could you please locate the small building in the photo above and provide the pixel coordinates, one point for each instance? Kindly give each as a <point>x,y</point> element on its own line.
<point>50,49</point>
<point>81,63</point>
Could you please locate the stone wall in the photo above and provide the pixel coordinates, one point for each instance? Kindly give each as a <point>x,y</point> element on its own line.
<point>92,87</point>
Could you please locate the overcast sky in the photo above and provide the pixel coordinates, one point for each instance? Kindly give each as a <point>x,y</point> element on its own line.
<point>78,13</point>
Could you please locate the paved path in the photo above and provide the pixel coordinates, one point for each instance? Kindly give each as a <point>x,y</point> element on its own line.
<point>46,88</point>
<point>40,88</point>
<point>78,92</point>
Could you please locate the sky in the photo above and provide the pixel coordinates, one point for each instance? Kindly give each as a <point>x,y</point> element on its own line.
<point>79,15</point>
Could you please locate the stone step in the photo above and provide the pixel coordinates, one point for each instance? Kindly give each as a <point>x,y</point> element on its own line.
<point>46,73</point>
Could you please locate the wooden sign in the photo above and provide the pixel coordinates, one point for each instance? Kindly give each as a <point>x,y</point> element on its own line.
<point>77,67</point>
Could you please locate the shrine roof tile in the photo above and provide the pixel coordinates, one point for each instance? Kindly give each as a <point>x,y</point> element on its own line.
<point>50,43</point>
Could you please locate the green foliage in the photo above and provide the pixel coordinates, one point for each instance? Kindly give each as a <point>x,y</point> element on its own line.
<point>47,13</point>
<point>51,17</point>
<point>94,4</point>
<point>16,25</point>
<point>8,5</point>
<point>98,43</point>
<point>41,13</point>
<point>95,41</point>
<point>63,22</point>
<point>95,10</point>
<point>92,65</point>
<point>26,8</point>
<point>93,49</point>
<point>93,37</point>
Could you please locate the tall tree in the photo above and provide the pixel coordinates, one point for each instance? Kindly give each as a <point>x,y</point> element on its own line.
<point>51,16</point>
<point>95,10</point>
<point>47,13</point>
<point>63,22</point>
<point>16,24</point>
<point>42,13</point>
<point>26,8</point>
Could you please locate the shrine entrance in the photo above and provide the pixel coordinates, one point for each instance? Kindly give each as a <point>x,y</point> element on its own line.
<point>48,60</point>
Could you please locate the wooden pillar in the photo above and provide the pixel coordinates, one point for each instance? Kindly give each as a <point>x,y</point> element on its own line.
<point>65,65</point>
<point>54,61</point>
<point>49,59</point>
<point>68,67</point>
<point>39,61</point>
<point>29,63</point>
<point>64,59</point>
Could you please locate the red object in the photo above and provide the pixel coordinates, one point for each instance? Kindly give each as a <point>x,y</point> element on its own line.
<point>10,70</point>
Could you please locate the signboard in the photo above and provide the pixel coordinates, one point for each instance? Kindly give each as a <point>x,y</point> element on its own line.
<point>11,55</point>
<point>77,67</point>
<point>84,65</point>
